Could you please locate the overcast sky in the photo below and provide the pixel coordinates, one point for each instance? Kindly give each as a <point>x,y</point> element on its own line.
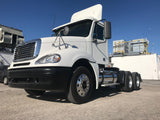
<point>131,19</point>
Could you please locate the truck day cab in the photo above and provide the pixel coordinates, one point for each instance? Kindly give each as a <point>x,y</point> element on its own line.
<point>74,61</point>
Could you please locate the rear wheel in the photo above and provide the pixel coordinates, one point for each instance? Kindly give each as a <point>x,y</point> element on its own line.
<point>34,92</point>
<point>82,86</point>
<point>136,80</point>
<point>128,83</point>
<point>121,79</point>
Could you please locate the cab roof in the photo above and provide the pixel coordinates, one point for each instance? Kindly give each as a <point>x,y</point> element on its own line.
<point>91,13</point>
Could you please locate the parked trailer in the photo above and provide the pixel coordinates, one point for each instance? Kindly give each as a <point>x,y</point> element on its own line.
<point>147,65</point>
<point>74,61</point>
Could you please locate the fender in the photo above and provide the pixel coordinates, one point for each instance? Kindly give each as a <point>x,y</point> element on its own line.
<point>69,56</point>
<point>95,68</point>
<point>75,55</point>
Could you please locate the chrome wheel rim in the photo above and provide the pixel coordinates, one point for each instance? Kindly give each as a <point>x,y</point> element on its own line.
<point>82,85</point>
<point>130,82</point>
<point>138,81</point>
<point>5,80</point>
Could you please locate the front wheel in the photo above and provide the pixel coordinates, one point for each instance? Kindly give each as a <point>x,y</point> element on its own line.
<point>5,81</point>
<point>81,86</point>
<point>34,92</point>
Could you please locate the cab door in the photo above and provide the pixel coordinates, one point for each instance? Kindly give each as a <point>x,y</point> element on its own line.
<point>100,45</point>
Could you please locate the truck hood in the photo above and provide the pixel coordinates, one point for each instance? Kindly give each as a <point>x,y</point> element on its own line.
<point>57,44</point>
<point>70,41</point>
<point>76,48</point>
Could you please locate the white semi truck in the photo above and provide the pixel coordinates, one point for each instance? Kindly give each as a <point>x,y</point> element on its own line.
<point>74,61</point>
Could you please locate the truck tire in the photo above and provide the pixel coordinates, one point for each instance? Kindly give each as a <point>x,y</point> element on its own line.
<point>128,83</point>
<point>81,86</point>
<point>5,81</point>
<point>136,80</point>
<point>34,92</point>
<point>121,79</point>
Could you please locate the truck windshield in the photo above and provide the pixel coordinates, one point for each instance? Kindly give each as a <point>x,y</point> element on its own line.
<point>81,29</point>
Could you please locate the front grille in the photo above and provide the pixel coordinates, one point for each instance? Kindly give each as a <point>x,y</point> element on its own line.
<point>24,52</point>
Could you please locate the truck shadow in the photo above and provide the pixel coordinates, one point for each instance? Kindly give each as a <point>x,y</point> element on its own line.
<point>106,92</point>
<point>51,97</point>
<point>61,97</point>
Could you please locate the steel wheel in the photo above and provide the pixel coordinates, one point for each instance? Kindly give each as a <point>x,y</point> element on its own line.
<point>130,82</point>
<point>83,85</point>
<point>121,79</point>
<point>136,80</point>
<point>5,80</point>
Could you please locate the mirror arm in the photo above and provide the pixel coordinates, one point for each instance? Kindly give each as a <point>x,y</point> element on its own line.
<point>100,20</point>
<point>101,42</point>
<point>95,40</point>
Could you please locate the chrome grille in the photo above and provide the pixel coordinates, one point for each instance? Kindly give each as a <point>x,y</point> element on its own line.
<point>24,52</point>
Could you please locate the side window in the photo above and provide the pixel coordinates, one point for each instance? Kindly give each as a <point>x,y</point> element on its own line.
<point>98,32</point>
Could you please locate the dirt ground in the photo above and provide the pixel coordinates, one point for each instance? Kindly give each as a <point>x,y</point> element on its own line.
<point>108,104</point>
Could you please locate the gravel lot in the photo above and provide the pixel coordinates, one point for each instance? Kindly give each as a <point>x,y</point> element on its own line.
<point>108,104</point>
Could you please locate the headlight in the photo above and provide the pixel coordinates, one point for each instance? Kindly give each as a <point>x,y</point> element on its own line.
<point>49,59</point>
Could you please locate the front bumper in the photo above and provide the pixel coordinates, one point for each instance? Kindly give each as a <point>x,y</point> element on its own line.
<point>44,78</point>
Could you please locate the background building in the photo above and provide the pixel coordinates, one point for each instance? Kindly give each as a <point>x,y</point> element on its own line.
<point>9,39</point>
<point>134,56</point>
